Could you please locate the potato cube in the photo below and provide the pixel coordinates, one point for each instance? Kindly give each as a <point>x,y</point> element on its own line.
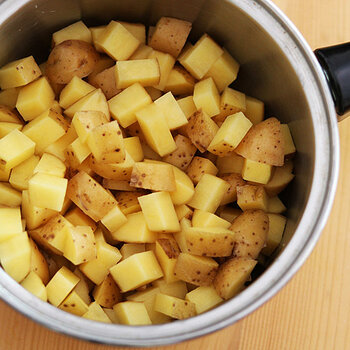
<point>19,73</point>
<point>136,271</point>
<point>250,230</point>
<point>96,313</point>
<point>176,289</point>
<point>232,275</point>
<point>159,212</point>
<point>145,72</point>
<point>229,213</point>
<point>170,108</point>
<point>187,105</point>
<point>47,191</point>
<point>129,249</point>
<point>95,33</point>
<point>252,197</point>
<point>275,205</point>
<point>128,202</point>
<point>138,30</point>
<point>75,31</point>
<point>5,175</point>
<point>6,128</point>
<point>232,163</point>
<point>34,98</point>
<point>135,230</point>
<point>93,101</point>
<point>209,200</point>
<point>114,219</point>
<point>234,180</point>
<point>85,192</point>
<point>184,188</point>
<point>183,211</point>
<point>200,166</point>
<point>180,236</point>
<point>118,185</point>
<point>111,314</point>
<point>180,82</point>
<point>204,219</point>
<point>106,81</point>
<point>156,129</point>
<point>206,97</point>
<point>11,225</point>
<point>199,58</point>
<point>166,63</point>
<point>230,134</point>
<point>204,298</point>
<point>255,110</point>
<point>46,129</point>
<point>8,115</point>
<point>9,196</point>
<point>156,177</point>
<point>256,172</point>
<point>198,270</point>
<point>107,293</point>
<point>124,105</point>
<point>8,97</point>
<point>15,148</point>
<point>132,313</point>
<point>50,165</point>
<point>134,148</point>
<point>170,35</point>
<point>117,41</point>
<point>33,284</point>
<point>38,263</point>
<point>224,71</point>
<point>277,224</point>
<point>231,102</point>
<point>264,143</point>
<point>201,129</point>
<point>61,285</point>
<point>77,218</point>
<point>76,153</point>
<point>289,147</point>
<point>74,304</point>
<point>281,177</point>
<point>174,307</point>
<point>142,52</point>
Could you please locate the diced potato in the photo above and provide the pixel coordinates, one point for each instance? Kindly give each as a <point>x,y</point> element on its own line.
<point>204,298</point>
<point>137,270</point>
<point>21,174</point>
<point>93,101</point>
<point>75,31</point>
<point>107,293</point>
<point>34,98</point>
<point>176,289</point>
<point>232,275</point>
<point>201,129</point>
<point>200,166</point>
<point>166,63</point>
<point>76,89</point>
<point>76,153</point>
<point>275,205</point>
<point>114,219</point>
<point>85,192</point>
<point>250,230</point>
<point>8,115</point>
<point>206,97</point>
<point>187,105</point>
<point>159,212</point>
<point>198,270</point>
<point>119,185</point>
<point>145,72</point>
<point>19,73</point>
<point>96,313</point>
<point>281,177</point>
<point>256,172</point>
<point>132,313</point>
<point>233,180</point>
<point>180,236</point>
<point>134,148</point>
<point>9,196</point>
<point>74,304</point>
<point>232,163</point>
<point>50,165</point>
<point>252,197</point>
<point>117,41</point>
<point>156,177</point>
<point>174,307</point>
<point>138,30</point>
<point>15,148</point>
<point>204,219</point>
<point>289,147</point>
<point>183,211</point>
<point>156,129</point>
<point>264,143</point>
<point>230,134</point>
<point>255,110</point>
<point>129,249</point>
<point>6,128</point>
<point>106,81</point>
<point>103,63</point>
<point>128,202</point>
<point>8,97</point>
<point>223,71</point>
<point>46,129</point>
<point>125,104</point>
<point>95,33</point>
<point>142,52</point>
<point>11,225</point>
<point>209,241</point>
<point>180,82</point>
<point>5,175</point>
<point>135,130</point>
<point>209,200</point>
<point>33,284</point>
<point>135,230</point>
<point>47,191</point>
<point>38,263</point>
<point>56,107</point>
<point>111,314</point>
<point>199,58</point>
<point>277,224</point>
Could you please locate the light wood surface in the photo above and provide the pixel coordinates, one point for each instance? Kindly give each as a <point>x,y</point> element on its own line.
<point>313,311</point>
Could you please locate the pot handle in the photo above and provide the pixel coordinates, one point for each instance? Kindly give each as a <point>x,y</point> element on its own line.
<point>335,63</point>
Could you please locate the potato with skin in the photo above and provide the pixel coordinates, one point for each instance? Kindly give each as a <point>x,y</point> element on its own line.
<point>128,201</point>
<point>281,177</point>
<point>231,194</point>
<point>38,263</point>
<point>252,197</point>
<point>250,230</point>
<point>71,58</point>
<point>200,166</point>
<point>107,293</point>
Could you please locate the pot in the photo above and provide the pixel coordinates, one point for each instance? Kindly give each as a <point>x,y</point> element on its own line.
<point>278,67</point>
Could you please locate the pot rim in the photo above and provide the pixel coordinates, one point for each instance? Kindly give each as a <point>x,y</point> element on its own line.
<point>315,215</point>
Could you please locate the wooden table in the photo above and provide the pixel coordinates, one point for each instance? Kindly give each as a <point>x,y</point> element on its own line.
<point>313,311</point>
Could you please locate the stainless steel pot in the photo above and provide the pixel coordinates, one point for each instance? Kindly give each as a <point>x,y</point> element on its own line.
<point>277,67</point>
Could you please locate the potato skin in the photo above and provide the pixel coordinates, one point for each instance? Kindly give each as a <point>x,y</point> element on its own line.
<point>71,58</point>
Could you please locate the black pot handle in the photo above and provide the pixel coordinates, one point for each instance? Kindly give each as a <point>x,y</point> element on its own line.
<point>335,62</point>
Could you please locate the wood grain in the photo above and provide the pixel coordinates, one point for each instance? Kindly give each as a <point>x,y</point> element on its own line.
<point>312,311</point>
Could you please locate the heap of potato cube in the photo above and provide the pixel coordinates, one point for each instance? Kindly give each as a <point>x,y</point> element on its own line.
<point>137,187</point>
